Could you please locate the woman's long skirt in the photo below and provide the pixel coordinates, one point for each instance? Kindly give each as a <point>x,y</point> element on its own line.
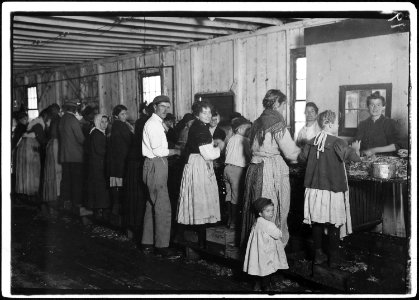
<point>97,187</point>
<point>52,172</point>
<point>28,167</point>
<point>199,200</point>
<point>269,179</point>
<point>134,204</point>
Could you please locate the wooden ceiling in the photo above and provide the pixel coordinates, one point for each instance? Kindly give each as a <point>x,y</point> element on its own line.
<point>42,42</point>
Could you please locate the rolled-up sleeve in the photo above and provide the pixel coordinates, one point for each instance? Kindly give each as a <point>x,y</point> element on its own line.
<point>156,137</point>
<point>287,145</point>
<point>209,152</point>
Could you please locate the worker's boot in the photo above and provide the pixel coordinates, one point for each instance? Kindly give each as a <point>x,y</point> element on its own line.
<point>334,258</point>
<point>319,257</point>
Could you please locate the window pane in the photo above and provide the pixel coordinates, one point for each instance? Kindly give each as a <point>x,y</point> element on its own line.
<point>301,64</point>
<point>151,87</point>
<point>300,90</point>
<point>300,107</point>
<point>352,98</point>
<point>32,114</point>
<point>32,98</point>
<point>351,118</point>
<point>298,126</point>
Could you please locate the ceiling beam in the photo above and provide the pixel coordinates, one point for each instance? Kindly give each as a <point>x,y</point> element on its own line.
<point>67,48</point>
<point>83,39</point>
<point>267,21</point>
<point>76,32</point>
<point>63,55</point>
<point>203,25</point>
<point>131,23</point>
<point>201,22</point>
<point>71,43</point>
<point>75,27</point>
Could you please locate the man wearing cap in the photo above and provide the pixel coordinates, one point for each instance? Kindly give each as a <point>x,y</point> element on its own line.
<point>71,156</point>
<point>157,219</point>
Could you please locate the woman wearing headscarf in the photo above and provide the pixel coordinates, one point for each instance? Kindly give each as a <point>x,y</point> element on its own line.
<point>30,156</point>
<point>97,191</point>
<point>53,170</point>
<point>268,174</point>
<point>118,149</point>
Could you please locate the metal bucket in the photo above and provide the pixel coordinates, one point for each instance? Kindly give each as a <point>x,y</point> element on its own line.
<point>383,170</point>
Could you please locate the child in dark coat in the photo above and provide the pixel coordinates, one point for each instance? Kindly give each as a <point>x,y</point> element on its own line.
<point>326,196</point>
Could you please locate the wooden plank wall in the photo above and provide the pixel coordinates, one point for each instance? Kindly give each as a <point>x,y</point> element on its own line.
<point>247,65</point>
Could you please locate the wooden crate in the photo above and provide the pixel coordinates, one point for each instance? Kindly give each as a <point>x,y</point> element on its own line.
<point>220,235</point>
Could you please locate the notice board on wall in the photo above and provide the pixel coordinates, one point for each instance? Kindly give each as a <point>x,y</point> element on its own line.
<point>222,102</point>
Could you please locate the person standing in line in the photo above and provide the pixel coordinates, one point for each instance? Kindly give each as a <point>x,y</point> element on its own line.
<point>136,190</point>
<point>157,219</point>
<point>30,157</point>
<point>71,140</point>
<point>98,193</point>
<point>120,142</point>
<point>53,169</point>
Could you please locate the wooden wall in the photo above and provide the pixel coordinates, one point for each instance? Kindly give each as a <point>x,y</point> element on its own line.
<point>247,64</point>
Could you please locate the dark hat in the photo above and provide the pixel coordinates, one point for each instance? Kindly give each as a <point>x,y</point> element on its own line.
<point>160,99</point>
<point>261,203</point>
<point>237,122</point>
<point>73,102</point>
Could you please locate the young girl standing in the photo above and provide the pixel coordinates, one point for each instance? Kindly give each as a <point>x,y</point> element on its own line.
<point>326,201</point>
<point>265,252</point>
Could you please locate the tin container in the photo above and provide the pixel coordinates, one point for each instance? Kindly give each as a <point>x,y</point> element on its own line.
<point>383,170</point>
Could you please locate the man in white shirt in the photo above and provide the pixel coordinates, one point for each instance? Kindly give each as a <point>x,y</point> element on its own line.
<point>157,218</point>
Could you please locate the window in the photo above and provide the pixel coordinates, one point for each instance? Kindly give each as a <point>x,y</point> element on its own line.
<point>298,90</point>
<point>353,105</point>
<point>32,103</point>
<point>150,87</point>
<point>222,102</point>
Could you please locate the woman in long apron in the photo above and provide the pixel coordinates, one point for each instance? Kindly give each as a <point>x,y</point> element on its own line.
<point>29,157</point>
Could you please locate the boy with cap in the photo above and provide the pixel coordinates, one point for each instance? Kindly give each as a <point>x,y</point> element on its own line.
<point>238,156</point>
<point>157,218</point>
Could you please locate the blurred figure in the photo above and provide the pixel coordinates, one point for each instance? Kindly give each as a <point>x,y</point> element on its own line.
<point>169,123</point>
<point>20,129</point>
<point>30,156</point>
<point>136,190</point>
<point>71,140</point>
<point>53,169</point>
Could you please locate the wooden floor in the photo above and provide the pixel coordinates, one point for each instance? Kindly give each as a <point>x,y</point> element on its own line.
<point>62,256</point>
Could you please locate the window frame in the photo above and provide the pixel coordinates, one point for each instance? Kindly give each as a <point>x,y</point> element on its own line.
<point>295,54</point>
<point>27,99</point>
<point>144,74</point>
<point>350,132</point>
